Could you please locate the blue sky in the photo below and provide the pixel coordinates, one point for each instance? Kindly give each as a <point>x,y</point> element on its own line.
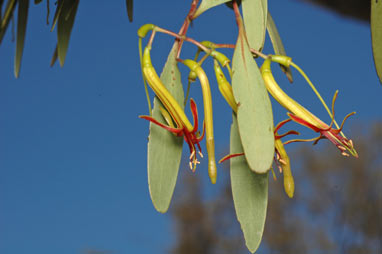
<point>72,149</point>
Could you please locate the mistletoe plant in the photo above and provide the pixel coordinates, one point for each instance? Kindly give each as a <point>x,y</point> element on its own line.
<point>255,141</point>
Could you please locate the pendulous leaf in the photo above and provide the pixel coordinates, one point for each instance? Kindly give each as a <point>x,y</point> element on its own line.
<point>207,4</point>
<point>255,22</point>
<point>129,6</point>
<point>8,13</point>
<point>255,119</point>
<point>250,193</point>
<point>164,149</point>
<point>22,18</point>
<point>64,27</point>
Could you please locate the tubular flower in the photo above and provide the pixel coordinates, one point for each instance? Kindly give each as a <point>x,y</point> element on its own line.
<point>304,117</point>
<point>207,101</point>
<point>281,157</point>
<point>173,112</point>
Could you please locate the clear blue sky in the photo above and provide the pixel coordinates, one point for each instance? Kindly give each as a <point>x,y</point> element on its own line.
<point>72,149</point>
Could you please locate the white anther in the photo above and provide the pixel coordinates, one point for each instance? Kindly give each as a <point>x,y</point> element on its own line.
<point>192,155</point>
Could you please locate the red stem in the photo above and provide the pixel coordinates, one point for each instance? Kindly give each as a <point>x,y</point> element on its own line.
<point>183,30</point>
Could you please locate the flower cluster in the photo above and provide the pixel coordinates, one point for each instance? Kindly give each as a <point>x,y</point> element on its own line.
<point>179,125</point>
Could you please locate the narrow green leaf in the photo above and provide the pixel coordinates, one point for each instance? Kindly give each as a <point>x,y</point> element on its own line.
<point>37,1</point>
<point>1,10</point>
<point>255,22</point>
<point>129,6</point>
<point>250,193</point>
<point>22,18</point>
<point>376,35</point>
<point>54,57</point>
<point>8,13</point>
<point>64,27</point>
<point>207,4</point>
<point>164,149</point>
<point>57,13</point>
<point>278,46</point>
<point>254,109</point>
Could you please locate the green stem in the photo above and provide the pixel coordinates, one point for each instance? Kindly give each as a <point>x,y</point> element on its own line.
<point>316,92</point>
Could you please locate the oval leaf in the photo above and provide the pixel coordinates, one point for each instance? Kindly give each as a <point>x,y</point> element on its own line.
<point>277,44</point>
<point>64,27</point>
<point>255,21</point>
<point>207,4</point>
<point>376,35</point>
<point>250,194</point>
<point>254,114</point>
<point>164,149</point>
<point>22,18</point>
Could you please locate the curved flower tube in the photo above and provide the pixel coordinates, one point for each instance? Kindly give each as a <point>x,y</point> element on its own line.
<point>281,156</point>
<point>174,115</point>
<point>208,119</point>
<point>224,86</point>
<point>302,116</point>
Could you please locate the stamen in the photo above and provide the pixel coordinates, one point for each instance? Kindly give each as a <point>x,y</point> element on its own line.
<point>346,117</point>
<point>332,116</point>
<point>280,168</point>
<point>286,134</point>
<point>342,148</point>
<point>282,161</point>
<point>351,142</point>
<point>192,155</point>
<point>200,153</point>
<point>302,140</point>
<point>345,154</point>
<point>281,124</point>
<point>274,175</point>
<point>190,164</point>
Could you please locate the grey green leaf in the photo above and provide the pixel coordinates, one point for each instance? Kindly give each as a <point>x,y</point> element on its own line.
<point>129,6</point>
<point>376,35</point>
<point>164,149</point>
<point>22,18</point>
<point>64,27</point>
<point>207,4</point>
<point>255,22</point>
<point>250,193</point>
<point>277,44</point>
<point>254,114</point>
